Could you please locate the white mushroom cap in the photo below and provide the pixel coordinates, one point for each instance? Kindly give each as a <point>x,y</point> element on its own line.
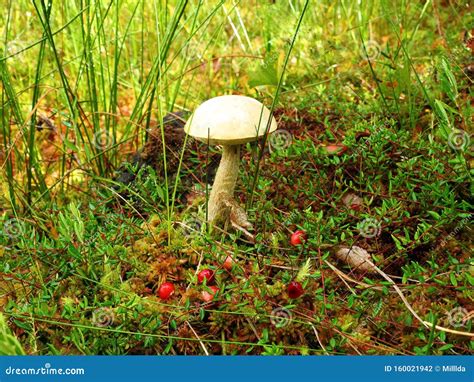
<point>230,120</point>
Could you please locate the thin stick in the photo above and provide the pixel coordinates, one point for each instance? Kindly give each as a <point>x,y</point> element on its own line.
<point>201,255</point>
<point>402,296</point>
<point>199,339</point>
<point>410,308</point>
<point>319,341</point>
<point>342,276</point>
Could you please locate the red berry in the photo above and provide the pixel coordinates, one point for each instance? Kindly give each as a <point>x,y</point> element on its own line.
<point>228,263</point>
<point>335,149</point>
<point>295,289</point>
<point>206,274</point>
<point>298,237</point>
<point>209,296</point>
<point>166,290</point>
<point>355,206</point>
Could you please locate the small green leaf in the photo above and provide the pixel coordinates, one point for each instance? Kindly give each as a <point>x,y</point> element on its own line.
<point>434,214</point>
<point>173,325</point>
<point>453,279</point>
<point>70,145</point>
<point>446,347</point>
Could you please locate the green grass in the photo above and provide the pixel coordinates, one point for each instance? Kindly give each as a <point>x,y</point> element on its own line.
<point>81,256</point>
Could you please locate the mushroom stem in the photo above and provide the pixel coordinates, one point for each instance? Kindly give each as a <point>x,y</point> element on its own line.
<point>225,180</point>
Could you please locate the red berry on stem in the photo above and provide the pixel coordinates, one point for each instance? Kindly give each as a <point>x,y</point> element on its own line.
<point>295,289</point>
<point>166,290</point>
<point>206,274</point>
<point>209,296</point>
<point>228,263</point>
<point>298,237</point>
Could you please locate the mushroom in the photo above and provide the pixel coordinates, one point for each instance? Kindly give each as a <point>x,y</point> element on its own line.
<point>230,121</point>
